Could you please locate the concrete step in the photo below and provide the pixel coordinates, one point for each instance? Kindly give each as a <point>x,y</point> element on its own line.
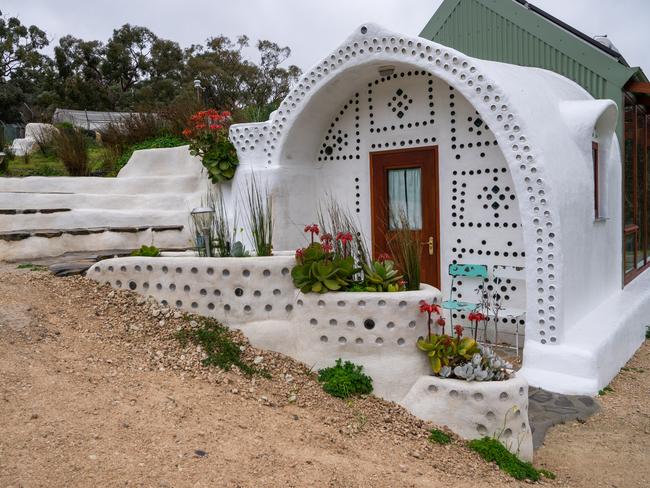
<point>14,201</point>
<point>39,243</point>
<point>129,186</point>
<point>90,218</point>
<point>19,235</point>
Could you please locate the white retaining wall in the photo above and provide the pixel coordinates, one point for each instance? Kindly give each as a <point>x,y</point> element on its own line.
<point>376,330</point>
<point>157,187</point>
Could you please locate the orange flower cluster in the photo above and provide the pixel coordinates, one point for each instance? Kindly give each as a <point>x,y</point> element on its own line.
<point>210,119</point>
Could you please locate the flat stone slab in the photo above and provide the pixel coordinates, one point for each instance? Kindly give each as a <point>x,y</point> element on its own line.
<point>546,409</point>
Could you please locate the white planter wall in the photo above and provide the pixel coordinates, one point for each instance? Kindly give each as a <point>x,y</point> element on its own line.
<point>376,330</point>
<point>476,409</point>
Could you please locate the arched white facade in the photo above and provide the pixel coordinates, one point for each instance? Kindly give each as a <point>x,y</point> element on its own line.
<point>543,126</point>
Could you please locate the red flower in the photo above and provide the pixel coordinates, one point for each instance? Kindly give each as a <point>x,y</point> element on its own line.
<point>200,126</point>
<point>187,132</point>
<point>300,254</point>
<point>326,238</point>
<point>459,330</point>
<point>401,283</point>
<point>225,113</point>
<point>476,317</point>
<point>441,322</point>
<point>383,257</point>
<point>344,237</point>
<point>312,229</point>
<point>327,247</point>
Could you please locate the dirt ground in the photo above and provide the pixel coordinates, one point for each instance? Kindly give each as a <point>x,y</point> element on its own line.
<point>94,390</point>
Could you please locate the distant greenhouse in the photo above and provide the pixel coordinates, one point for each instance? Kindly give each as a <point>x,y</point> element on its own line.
<point>87,119</point>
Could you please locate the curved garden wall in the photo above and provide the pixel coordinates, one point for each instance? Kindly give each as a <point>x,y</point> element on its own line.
<point>376,330</point>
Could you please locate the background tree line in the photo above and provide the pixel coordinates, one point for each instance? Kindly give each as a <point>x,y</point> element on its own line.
<point>135,70</point>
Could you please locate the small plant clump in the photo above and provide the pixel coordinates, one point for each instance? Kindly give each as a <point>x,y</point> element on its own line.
<point>148,251</point>
<point>217,342</point>
<point>437,436</point>
<point>344,380</point>
<point>647,332</point>
<point>32,267</point>
<point>491,450</point>
<point>208,138</point>
<point>605,391</point>
<point>459,357</point>
<point>330,265</point>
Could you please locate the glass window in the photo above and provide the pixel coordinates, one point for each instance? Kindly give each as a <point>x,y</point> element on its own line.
<point>641,184</point>
<point>597,178</point>
<point>628,196</point>
<point>404,197</point>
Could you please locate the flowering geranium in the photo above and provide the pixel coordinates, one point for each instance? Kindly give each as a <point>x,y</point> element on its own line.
<point>313,230</point>
<point>207,133</point>
<point>429,308</point>
<point>383,257</point>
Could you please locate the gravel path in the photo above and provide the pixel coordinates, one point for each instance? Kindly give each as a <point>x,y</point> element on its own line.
<point>94,389</point>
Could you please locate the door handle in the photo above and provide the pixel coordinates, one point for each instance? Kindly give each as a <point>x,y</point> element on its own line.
<point>431,246</point>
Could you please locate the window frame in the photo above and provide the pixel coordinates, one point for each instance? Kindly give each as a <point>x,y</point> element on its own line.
<point>639,229</point>
<point>595,155</point>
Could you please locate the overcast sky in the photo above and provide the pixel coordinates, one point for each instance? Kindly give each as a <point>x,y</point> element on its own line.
<point>311,28</point>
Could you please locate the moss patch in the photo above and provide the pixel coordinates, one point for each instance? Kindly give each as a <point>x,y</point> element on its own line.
<point>492,450</point>
<point>217,342</point>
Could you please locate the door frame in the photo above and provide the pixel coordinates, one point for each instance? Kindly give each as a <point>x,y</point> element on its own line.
<point>436,201</point>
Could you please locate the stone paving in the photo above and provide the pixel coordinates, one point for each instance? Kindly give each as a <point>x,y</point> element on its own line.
<point>546,409</point>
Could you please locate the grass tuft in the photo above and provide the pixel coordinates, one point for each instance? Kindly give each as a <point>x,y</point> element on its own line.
<point>605,391</point>
<point>439,437</point>
<point>344,380</point>
<point>33,267</point>
<point>492,450</point>
<point>217,342</point>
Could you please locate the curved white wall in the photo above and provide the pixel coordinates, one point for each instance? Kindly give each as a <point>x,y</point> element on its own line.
<point>572,262</point>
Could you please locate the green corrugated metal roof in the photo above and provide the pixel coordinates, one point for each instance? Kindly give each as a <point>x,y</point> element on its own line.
<point>506,31</point>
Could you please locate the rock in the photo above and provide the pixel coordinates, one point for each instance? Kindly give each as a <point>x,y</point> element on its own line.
<point>178,315</point>
<point>155,313</point>
<point>258,359</point>
<point>292,398</point>
<point>200,453</point>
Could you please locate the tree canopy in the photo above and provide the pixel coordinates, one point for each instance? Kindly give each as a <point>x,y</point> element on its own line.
<point>135,70</point>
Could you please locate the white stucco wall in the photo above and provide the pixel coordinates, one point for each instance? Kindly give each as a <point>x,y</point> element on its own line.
<point>376,330</point>
<point>157,188</point>
<point>542,123</point>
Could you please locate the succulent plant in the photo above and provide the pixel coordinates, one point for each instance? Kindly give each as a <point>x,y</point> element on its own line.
<point>381,276</point>
<point>484,366</point>
<point>444,350</point>
<point>320,271</point>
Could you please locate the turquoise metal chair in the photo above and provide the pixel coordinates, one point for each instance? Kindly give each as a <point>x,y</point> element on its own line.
<point>462,271</point>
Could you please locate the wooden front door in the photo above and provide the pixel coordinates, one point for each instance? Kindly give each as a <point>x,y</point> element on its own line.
<point>406,182</point>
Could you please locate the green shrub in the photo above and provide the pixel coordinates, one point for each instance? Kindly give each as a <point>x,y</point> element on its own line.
<point>647,332</point>
<point>71,147</point>
<point>207,134</point>
<point>345,380</point>
<point>439,437</point>
<point>148,251</point>
<point>492,450</point>
<point>217,342</point>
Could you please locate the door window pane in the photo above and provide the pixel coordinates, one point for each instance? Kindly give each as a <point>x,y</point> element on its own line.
<point>405,197</point>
